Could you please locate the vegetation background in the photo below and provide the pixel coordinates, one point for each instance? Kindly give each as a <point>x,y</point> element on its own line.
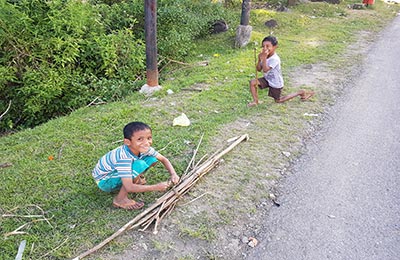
<point>59,56</point>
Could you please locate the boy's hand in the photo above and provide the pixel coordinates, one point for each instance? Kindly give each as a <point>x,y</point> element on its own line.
<point>174,178</point>
<point>162,186</point>
<point>263,54</point>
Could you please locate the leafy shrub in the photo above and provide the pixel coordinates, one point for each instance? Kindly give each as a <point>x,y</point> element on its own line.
<point>57,56</point>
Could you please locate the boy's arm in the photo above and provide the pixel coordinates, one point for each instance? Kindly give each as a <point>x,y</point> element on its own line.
<point>132,187</point>
<point>167,164</point>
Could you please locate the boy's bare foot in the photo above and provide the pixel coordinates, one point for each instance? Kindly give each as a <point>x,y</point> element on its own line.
<point>131,205</point>
<point>252,104</point>
<point>307,95</point>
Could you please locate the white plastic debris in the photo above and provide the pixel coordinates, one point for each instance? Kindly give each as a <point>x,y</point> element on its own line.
<point>170,92</point>
<point>312,115</point>
<point>252,242</point>
<point>181,120</point>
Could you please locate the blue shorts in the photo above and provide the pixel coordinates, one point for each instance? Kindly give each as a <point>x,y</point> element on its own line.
<point>114,183</point>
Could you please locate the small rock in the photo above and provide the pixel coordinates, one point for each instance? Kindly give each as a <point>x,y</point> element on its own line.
<point>170,92</point>
<point>219,27</point>
<point>271,23</point>
<point>245,240</point>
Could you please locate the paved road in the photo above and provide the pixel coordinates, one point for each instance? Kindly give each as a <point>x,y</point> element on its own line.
<point>343,200</point>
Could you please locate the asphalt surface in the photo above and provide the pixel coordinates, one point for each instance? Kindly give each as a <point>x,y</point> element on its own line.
<point>342,200</point>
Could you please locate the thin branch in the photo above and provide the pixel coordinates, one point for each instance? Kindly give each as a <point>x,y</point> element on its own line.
<point>98,103</point>
<point>54,249</point>
<point>179,62</point>
<point>118,141</point>
<point>155,217</point>
<point>60,151</point>
<point>165,147</point>
<point>5,165</point>
<point>17,230</point>
<point>166,213</point>
<point>190,164</point>
<point>21,216</point>
<point>5,112</point>
<point>193,200</point>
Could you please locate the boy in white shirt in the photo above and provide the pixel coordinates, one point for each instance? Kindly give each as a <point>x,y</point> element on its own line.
<point>270,64</point>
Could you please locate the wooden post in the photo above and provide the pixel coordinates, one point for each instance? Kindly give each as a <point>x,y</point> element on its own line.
<point>150,18</point>
<point>245,17</point>
<point>243,32</point>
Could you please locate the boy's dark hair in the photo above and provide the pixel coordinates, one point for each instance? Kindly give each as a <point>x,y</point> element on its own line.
<point>271,39</point>
<point>133,127</point>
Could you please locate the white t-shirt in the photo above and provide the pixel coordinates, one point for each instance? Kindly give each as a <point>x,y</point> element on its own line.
<point>274,75</point>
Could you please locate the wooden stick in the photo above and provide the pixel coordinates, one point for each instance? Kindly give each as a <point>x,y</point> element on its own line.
<point>190,164</point>
<point>155,217</point>
<point>54,249</point>
<point>193,200</point>
<point>255,63</point>
<point>17,230</point>
<point>21,216</point>
<point>166,213</point>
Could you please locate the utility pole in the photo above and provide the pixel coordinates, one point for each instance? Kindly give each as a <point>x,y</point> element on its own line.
<point>150,18</point>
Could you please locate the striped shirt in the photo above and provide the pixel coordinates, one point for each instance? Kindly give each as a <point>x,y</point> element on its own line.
<point>118,161</point>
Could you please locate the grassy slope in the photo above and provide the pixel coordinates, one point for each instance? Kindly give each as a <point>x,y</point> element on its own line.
<point>71,214</point>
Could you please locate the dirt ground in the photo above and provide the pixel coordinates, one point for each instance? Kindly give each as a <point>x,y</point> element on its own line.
<point>224,211</point>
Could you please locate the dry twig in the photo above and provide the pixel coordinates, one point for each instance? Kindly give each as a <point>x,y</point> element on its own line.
<point>5,112</point>
<point>5,165</point>
<point>93,102</point>
<point>54,249</point>
<point>190,164</point>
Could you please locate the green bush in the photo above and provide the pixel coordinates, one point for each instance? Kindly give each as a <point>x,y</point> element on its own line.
<point>59,55</point>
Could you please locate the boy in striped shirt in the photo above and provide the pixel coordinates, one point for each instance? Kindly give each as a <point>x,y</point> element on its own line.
<point>122,169</point>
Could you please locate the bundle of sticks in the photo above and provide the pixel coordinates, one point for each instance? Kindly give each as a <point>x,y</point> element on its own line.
<point>165,204</point>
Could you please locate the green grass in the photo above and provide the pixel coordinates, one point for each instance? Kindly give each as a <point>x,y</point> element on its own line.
<point>68,214</point>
